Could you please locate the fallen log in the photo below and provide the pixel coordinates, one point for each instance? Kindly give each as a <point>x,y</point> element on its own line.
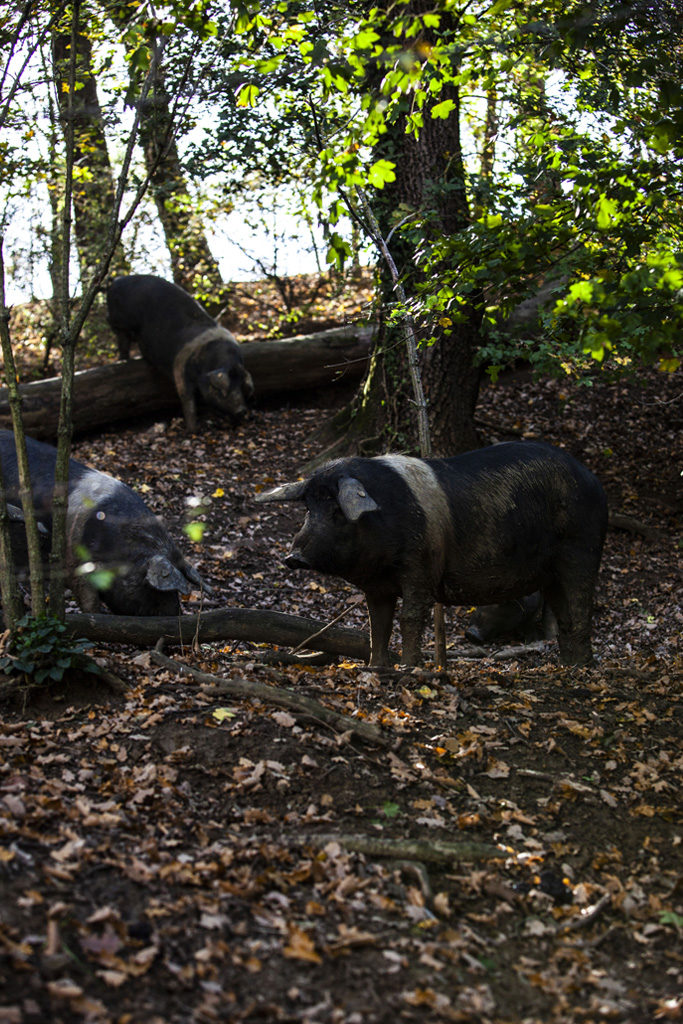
<point>123,390</point>
<point>222,624</point>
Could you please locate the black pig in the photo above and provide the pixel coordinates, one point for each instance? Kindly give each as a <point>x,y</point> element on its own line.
<point>490,525</point>
<point>110,527</point>
<point>518,619</point>
<point>179,338</point>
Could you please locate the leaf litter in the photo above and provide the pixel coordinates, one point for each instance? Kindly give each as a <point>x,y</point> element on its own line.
<point>515,852</point>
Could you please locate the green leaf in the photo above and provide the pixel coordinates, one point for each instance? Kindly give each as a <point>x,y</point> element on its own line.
<point>101,579</point>
<point>365,39</point>
<point>381,172</point>
<point>671,917</point>
<point>247,96</point>
<point>195,531</point>
<point>223,714</point>
<point>597,353</point>
<point>443,109</point>
<point>390,810</point>
<point>582,291</point>
<point>607,213</point>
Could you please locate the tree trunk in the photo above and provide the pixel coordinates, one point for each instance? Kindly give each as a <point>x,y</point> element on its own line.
<point>488,149</point>
<point>430,181</point>
<point>94,192</point>
<point>121,391</point>
<point>193,265</point>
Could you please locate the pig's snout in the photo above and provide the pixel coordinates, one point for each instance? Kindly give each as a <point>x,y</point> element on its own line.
<point>295,560</point>
<point>475,635</point>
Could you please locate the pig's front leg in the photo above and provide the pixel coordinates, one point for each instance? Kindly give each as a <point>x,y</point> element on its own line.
<point>189,404</point>
<point>414,615</point>
<point>381,611</point>
<point>124,341</point>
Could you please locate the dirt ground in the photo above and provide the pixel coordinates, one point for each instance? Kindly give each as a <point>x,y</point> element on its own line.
<point>507,847</point>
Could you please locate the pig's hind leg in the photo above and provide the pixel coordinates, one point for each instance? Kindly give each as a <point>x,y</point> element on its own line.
<point>124,340</point>
<point>570,596</point>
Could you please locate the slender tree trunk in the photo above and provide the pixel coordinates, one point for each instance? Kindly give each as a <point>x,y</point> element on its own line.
<point>93,191</point>
<point>68,77</point>
<point>35,565</point>
<point>194,267</point>
<point>488,149</point>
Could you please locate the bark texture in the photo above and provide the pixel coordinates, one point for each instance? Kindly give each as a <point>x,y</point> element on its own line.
<point>222,624</point>
<point>93,190</point>
<point>193,265</point>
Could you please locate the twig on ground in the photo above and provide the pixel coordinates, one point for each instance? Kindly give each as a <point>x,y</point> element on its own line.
<point>589,917</point>
<point>434,852</point>
<point>419,871</point>
<point>114,682</point>
<point>298,704</point>
<point>323,629</point>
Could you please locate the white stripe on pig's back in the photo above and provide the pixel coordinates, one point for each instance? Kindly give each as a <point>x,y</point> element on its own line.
<point>430,497</point>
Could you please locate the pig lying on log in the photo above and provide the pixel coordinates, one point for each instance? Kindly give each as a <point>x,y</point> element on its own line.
<point>118,551</point>
<point>490,525</point>
<point>178,337</point>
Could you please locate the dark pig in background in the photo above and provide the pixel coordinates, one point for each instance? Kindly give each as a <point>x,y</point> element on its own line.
<point>138,569</point>
<point>179,338</point>
<point>490,525</point>
<point>523,618</point>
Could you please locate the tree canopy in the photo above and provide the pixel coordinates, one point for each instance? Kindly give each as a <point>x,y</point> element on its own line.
<point>570,116</point>
<point>585,185</point>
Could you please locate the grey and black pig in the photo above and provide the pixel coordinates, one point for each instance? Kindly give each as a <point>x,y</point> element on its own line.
<point>179,338</point>
<point>490,525</point>
<point>524,618</point>
<point>110,526</point>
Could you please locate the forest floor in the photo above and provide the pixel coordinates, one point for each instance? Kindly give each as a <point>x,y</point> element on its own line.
<point>174,854</point>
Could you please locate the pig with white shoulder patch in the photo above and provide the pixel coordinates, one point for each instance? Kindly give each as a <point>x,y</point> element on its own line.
<point>179,339</point>
<point>487,526</point>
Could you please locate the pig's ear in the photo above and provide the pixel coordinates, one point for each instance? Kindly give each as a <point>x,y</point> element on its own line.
<point>293,491</point>
<point>354,500</point>
<point>162,574</point>
<point>220,380</point>
<point>16,515</point>
<point>193,576</point>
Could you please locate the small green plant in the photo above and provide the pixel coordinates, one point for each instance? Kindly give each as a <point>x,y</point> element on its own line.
<point>41,651</point>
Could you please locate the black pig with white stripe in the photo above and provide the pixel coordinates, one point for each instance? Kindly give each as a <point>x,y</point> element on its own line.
<point>110,528</point>
<point>178,337</point>
<point>487,526</point>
